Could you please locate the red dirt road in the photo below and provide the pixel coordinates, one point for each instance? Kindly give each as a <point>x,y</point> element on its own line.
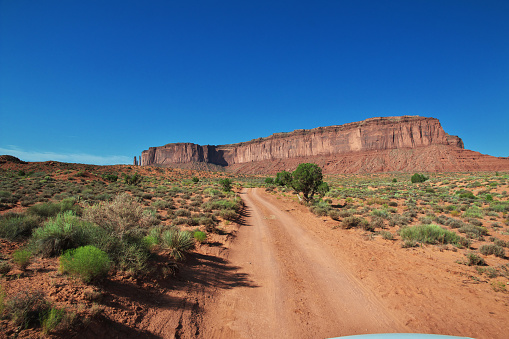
<point>300,287</point>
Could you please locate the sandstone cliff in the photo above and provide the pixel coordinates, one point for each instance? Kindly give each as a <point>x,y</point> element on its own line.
<point>369,139</point>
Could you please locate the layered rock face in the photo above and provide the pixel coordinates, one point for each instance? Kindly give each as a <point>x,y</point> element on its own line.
<point>371,134</point>
<point>366,139</point>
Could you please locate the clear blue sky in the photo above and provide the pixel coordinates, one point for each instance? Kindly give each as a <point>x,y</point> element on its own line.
<point>100,81</point>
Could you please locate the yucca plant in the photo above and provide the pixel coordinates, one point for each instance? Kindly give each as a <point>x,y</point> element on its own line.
<point>178,242</point>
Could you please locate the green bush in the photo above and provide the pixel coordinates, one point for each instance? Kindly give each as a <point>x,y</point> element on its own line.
<point>22,257</point>
<point>320,208</point>
<point>122,216</point>
<point>307,179</point>
<point>178,242</point>
<point>283,178</point>
<point>65,231</point>
<point>352,221</point>
<point>110,177</point>
<point>87,263</point>
<point>496,250</point>
<point>196,179</point>
<point>430,234</point>
<point>418,178</point>
<point>134,179</point>
<point>473,212</point>
<point>51,319</point>
<point>474,260</point>
<point>200,236</point>
<point>50,209</point>
<point>226,184</point>
<point>15,227</point>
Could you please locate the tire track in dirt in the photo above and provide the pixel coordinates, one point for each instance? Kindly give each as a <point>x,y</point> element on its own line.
<point>301,290</point>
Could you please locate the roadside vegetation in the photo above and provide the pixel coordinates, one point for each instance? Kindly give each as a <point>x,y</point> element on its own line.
<point>101,223</point>
<point>464,213</point>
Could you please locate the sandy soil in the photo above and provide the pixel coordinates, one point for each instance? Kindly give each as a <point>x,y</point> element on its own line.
<point>306,280</point>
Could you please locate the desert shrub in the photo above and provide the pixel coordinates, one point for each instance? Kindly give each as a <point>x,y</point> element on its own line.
<point>393,203</point>
<point>473,212</point>
<point>134,179</point>
<point>178,242</point>
<point>387,235</point>
<point>22,257</point>
<point>501,243</point>
<point>496,250</point>
<point>226,184</point>
<point>134,257</point>
<point>377,222</point>
<point>182,212</point>
<point>87,263</point>
<point>196,179</point>
<point>454,223</point>
<point>228,214</point>
<point>15,227</point>
<point>463,194</point>
<point>110,177</point>
<point>398,220</point>
<point>382,213</point>
<point>320,208</point>
<point>200,236</point>
<point>430,234</point>
<point>352,221</point>
<point>334,214</point>
<point>51,209</point>
<point>51,319</point>
<point>65,231</point>
<point>121,216</point>
<point>26,308</point>
<point>473,231</point>
<point>409,243</point>
<point>474,260</point>
<point>418,178</point>
<point>162,204</point>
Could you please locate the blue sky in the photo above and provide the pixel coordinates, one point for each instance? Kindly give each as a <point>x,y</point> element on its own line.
<point>100,81</point>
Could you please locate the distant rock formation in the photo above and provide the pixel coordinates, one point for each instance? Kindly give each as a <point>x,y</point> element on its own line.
<point>405,143</point>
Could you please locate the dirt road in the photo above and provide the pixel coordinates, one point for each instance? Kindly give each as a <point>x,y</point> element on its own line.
<point>299,289</point>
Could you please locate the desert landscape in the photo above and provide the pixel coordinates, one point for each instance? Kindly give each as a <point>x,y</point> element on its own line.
<point>152,250</point>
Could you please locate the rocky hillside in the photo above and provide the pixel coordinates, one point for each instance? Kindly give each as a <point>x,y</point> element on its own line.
<point>406,144</point>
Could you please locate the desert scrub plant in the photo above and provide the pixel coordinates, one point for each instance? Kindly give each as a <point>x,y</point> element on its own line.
<point>352,221</point>
<point>226,184</point>
<point>473,212</point>
<point>26,308</point>
<point>496,250</point>
<point>416,178</point>
<point>320,208</point>
<point>228,214</point>
<point>87,263</point>
<point>429,234</point>
<point>50,209</point>
<point>133,180</point>
<point>121,216</point>
<point>334,214</point>
<point>51,319</point>
<point>200,236</point>
<point>21,257</point>
<point>178,242</point>
<point>65,231</point>
<point>474,260</point>
<point>16,227</point>
<point>387,235</point>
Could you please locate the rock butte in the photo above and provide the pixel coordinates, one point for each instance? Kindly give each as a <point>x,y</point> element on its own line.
<point>387,144</point>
